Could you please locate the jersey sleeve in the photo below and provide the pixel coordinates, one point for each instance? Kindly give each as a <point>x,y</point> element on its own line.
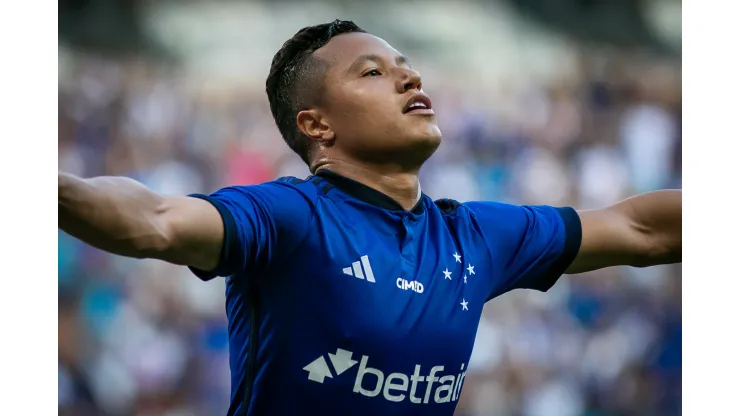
<point>260,223</point>
<point>531,245</point>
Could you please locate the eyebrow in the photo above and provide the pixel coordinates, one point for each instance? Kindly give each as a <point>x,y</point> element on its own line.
<point>400,60</point>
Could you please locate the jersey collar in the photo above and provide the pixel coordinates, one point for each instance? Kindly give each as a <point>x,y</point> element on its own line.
<point>367,194</point>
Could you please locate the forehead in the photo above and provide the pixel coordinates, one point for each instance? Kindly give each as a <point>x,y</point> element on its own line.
<point>344,49</point>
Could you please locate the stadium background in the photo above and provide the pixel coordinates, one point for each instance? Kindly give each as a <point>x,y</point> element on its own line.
<point>574,102</point>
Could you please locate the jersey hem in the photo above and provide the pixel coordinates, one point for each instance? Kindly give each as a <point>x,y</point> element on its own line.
<point>571,247</point>
<point>229,237</point>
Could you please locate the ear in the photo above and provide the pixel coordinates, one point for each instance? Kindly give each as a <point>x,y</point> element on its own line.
<point>314,125</point>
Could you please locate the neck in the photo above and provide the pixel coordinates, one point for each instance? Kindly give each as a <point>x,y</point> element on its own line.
<point>402,186</point>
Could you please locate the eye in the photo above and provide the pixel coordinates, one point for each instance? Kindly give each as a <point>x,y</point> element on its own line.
<point>372,73</point>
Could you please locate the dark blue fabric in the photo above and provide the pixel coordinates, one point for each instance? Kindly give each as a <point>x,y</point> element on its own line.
<point>352,305</point>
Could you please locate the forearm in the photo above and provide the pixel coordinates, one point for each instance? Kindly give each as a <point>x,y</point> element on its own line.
<point>641,231</point>
<point>657,217</point>
<point>114,214</point>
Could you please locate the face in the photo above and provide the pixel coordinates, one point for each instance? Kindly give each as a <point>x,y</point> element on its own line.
<point>373,106</point>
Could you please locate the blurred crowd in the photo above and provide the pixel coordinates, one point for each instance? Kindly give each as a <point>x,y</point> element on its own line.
<point>146,338</point>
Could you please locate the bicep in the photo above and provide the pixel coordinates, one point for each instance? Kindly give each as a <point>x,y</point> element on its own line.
<point>609,238</point>
<point>533,245</point>
<point>194,232</point>
<point>237,228</point>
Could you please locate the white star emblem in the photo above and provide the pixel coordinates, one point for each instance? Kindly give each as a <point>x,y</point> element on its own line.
<point>464,305</point>
<point>465,278</point>
<point>457,257</point>
<point>471,269</point>
<point>447,274</point>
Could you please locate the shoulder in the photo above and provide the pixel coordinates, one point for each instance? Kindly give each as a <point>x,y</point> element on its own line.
<point>500,215</point>
<point>476,209</point>
<point>305,186</point>
<point>288,201</point>
<point>533,220</point>
<point>281,192</point>
<point>447,206</point>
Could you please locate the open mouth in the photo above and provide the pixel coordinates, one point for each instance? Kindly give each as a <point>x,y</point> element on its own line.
<point>418,104</point>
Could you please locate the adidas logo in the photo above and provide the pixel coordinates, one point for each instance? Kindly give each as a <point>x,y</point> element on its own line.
<point>361,270</point>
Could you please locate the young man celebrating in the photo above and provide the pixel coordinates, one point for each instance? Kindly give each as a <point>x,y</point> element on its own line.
<point>351,292</point>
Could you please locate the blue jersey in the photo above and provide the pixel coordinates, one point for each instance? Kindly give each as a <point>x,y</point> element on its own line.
<point>339,302</point>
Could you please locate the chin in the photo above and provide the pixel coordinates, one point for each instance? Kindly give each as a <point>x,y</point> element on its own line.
<point>421,147</point>
<point>429,141</point>
<point>431,136</point>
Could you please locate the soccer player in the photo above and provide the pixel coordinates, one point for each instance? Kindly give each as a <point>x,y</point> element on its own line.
<point>351,292</point>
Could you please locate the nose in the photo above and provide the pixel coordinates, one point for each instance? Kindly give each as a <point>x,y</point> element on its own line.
<point>409,79</point>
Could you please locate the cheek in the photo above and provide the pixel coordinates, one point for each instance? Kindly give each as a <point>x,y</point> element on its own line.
<point>363,110</point>
<point>366,96</point>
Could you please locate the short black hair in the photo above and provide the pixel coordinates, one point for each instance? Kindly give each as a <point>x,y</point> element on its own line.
<point>296,82</point>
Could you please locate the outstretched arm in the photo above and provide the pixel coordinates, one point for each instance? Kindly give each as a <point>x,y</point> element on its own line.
<point>641,231</point>
<point>122,216</point>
